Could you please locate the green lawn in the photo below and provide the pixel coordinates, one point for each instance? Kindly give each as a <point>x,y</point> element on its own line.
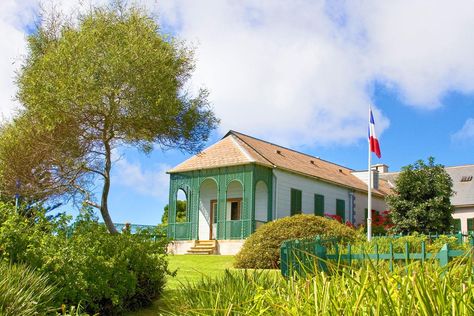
<point>190,268</point>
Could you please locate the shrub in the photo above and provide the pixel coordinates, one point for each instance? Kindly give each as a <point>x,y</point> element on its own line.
<point>262,249</point>
<point>24,291</point>
<point>104,273</point>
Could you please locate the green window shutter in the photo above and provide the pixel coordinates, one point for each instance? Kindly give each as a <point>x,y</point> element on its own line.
<point>319,205</point>
<point>295,201</point>
<point>469,225</point>
<point>365,216</point>
<point>457,224</point>
<point>341,209</point>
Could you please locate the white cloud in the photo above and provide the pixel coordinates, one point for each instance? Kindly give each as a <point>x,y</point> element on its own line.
<point>13,17</point>
<point>147,181</point>
<point>424,48</point>
<point>466,133</point>
<point>301,72</point>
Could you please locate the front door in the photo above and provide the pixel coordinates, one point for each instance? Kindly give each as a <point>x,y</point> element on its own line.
<point>213,220</point>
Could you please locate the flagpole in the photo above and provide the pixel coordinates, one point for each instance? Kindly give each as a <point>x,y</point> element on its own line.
<point>369,194</point>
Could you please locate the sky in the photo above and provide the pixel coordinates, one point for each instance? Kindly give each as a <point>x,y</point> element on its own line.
<point>301,74</point>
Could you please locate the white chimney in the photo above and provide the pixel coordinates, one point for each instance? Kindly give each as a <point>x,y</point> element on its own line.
<point>382,168</point>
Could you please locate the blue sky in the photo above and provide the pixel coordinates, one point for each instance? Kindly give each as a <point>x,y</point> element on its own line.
<point>302,74</point>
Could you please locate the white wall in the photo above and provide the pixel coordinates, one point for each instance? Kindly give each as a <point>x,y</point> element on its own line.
<point>463,214</point>
<point>286,181</point>
<point>261,201</point>
<point>378,204</point>
<point>207,192</point>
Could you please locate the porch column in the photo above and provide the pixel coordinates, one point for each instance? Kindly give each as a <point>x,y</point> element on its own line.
<point>221,208</point>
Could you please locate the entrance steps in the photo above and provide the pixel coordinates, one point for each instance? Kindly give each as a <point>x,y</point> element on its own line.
<point>203,247</point>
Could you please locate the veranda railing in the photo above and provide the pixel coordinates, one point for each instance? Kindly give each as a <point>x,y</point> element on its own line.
<point>305,256</point>
<point>234,229</point>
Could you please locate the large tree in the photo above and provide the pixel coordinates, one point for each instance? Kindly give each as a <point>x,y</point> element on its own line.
<point>109,80</point>
<point>421,199</point>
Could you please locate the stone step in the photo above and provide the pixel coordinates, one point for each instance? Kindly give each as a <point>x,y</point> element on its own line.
<point>201,251</point>
<point>210,242</point>
<point>204,247</point>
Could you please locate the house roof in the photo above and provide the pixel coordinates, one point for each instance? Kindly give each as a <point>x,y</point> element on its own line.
<point>237,149</point>
<point>463,190</point>
<point>224,153</point>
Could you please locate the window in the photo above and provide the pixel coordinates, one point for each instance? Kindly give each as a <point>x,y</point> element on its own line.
<point>319,205</point>
<point>466,178</point>
<point>235,210</point>
<point>295,201</point>
<point>470,225</point>
<point>341,209</point>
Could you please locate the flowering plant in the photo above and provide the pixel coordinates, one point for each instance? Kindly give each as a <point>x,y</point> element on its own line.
<point>339,219</point>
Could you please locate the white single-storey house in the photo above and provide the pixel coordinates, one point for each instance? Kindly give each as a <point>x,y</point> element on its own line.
<point>240,182</point>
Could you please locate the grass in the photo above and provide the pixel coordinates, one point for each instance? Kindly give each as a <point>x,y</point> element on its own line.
<point>24,291</point>
<point>190,269</point>
<point>417,289</point>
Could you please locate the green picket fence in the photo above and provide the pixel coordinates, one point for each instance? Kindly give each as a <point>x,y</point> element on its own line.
<point>308,255</point>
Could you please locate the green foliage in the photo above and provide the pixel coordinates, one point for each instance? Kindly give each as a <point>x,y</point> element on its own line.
<point>109,80</point>
<point>24,291</point>
<point>415,290</point>
<point>103,272</point>
<point>414,241</point>
<point>262,249</point>
<point>180,212</point>
<point>421,202</point>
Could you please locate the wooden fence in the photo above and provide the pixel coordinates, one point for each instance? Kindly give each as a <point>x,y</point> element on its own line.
<point>305,256</point>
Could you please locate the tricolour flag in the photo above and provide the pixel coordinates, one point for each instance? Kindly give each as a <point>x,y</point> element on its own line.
<point>373,141</point>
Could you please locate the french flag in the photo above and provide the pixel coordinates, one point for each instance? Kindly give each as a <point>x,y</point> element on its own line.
<point>373,141</point>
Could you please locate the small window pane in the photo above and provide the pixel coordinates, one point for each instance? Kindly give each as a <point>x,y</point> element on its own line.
<point>235,211</point>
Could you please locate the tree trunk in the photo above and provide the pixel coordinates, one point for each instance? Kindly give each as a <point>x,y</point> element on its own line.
<point>104,209</point>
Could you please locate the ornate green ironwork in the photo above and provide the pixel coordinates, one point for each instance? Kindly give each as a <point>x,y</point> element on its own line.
<point>190,182</point>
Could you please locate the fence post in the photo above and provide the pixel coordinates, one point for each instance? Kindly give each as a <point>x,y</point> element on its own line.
<point>295,258</point>
<point>349,253</point>
<point>377,253</point>
<point>407,251</point>
<point>284,259</point>
<point>391,257</point>
<point>444,255</point>
<point>423,252</point>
